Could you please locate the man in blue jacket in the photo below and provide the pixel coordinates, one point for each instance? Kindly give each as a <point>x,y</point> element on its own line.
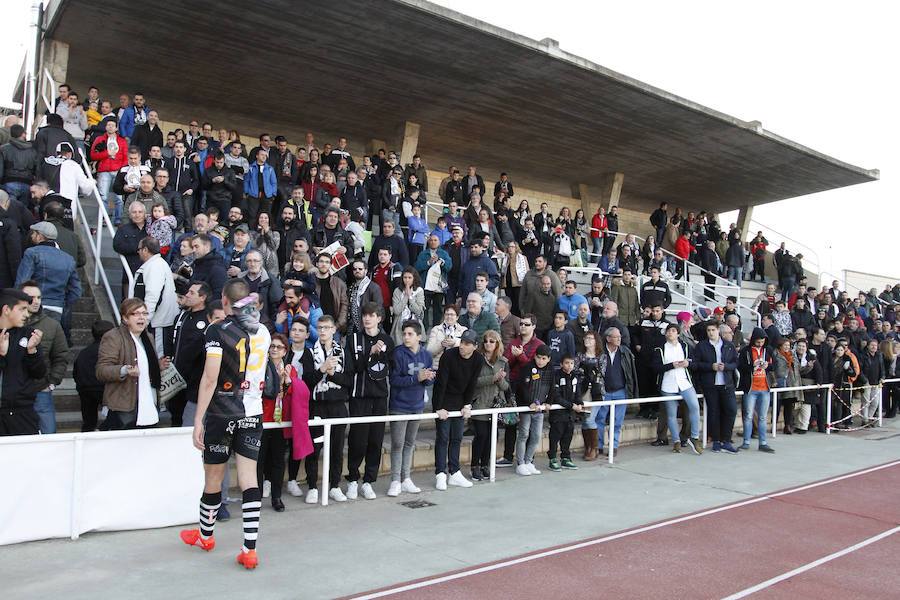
<point>136,114</point>
<point>478,261</point>
<point>53,270</point>
<point>260,186</point>
<point>715,362</point>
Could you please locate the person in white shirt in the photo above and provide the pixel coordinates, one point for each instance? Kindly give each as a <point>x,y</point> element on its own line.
<point>671,362</point>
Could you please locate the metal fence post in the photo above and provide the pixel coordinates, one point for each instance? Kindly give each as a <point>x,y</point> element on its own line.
<point>493,467</point>
<point>612,432</point>
<point>774,414</point>
<point>880,405</point>
<point>326,463</point>
<point>828,409</point>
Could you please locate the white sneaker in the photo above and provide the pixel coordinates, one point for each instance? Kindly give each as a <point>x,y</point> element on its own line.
<point>267,488</point>
<point>337,495</point>
<point>409,487</point>
<point>533,469</point>
<point>293,489</point>
<point>312,496</point>
<point>394,490</point>
<point>367,491</point>
<point>352,492</point>
<point>523,470</point>
<point>459,480</point>
<point>440,481</point>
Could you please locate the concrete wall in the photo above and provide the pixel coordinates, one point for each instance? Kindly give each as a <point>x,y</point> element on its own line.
<point>857,280</point>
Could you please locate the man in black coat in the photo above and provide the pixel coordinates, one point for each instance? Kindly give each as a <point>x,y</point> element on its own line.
<point>388,239</point>
<point>715,362</point>
<point>219,182</point>
<point>208,266</point>
<point>147,134</point>
<point>659,219</point>
<point>128,235</point>
<point>22,362</point>
<point>184,343</point>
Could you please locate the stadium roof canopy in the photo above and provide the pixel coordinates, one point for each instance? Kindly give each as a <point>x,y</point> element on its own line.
<point>481,95</point>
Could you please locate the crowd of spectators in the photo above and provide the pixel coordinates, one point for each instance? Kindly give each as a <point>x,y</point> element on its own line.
<point>362,322</point>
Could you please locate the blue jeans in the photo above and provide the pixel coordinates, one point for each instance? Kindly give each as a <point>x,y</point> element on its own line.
<point>448,439</point>
<point>597,246</point>
<point>528,436</point>
<point>43,406</point>
<point>602,414</point>
<point>689,396</point>
<point>759,401</point>
<point>787,287</point>
<point>104,186</point>
<point>735,274</point>
<point>18,190</point>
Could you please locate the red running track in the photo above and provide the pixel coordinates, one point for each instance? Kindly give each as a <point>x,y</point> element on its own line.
<point>778,545</point>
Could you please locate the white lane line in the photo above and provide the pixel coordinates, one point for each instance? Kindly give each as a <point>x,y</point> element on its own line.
<point>609,538</point>
<point>809,566</point>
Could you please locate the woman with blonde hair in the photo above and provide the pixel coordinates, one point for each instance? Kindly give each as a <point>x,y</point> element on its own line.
<point>513,267</point>
<point>490,392</point>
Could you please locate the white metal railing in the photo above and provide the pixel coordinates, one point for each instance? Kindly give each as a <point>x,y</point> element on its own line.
<point>104,224</point>
<point>811,259</point>
<point>494,413</point>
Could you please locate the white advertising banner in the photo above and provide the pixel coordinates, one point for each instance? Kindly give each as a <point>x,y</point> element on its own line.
<point>64,485</point>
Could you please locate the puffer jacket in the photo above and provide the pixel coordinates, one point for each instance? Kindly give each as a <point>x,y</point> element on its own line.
<point>54,350</point>
<point>107,162</point>
<point>18,162</point>
<point>486,389</point>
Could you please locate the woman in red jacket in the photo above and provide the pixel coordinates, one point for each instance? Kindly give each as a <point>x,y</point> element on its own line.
<point>683,251</point>
<point>111,153</point>
<point>599,226</point>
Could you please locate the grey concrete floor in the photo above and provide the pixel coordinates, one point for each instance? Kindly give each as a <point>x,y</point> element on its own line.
<point>344,549</point>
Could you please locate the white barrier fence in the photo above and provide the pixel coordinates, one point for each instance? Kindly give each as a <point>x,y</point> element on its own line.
<point>66,484</point>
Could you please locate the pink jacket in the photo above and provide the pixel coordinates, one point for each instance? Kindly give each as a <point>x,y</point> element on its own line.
<point>296,410</point>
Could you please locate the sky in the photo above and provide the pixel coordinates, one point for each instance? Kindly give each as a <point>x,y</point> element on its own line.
<point>825,74</point>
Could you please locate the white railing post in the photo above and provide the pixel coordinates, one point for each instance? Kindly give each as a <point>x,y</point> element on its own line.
<point>97,245</point>
<point>77,475</point>
<point>880,405</point>
<point>774,414</point>
<point>828,409</point>
<point>326,463</point>
<point>493,467</point>
<point>612,432</point>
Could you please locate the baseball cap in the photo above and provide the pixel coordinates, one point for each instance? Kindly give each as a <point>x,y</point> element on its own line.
<point>469,337</point>
<point>242,227</point>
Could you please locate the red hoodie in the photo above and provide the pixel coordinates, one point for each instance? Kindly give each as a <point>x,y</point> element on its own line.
<point>598,225</point>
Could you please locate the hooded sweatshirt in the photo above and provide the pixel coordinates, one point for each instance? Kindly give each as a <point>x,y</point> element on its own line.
<point>407,392</point>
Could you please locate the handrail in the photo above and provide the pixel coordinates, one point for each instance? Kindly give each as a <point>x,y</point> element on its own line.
<point>96,244</point>
<point>817,261</point>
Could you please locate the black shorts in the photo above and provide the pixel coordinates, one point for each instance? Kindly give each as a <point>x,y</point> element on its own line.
<point>223,436</point>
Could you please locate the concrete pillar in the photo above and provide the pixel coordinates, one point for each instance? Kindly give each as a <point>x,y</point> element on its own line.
<point>373,146</point>
<point>580,191</point>
<point>55,59</point>
<point>410,142</point>
<point>745,214</point>
<point>611,190</point>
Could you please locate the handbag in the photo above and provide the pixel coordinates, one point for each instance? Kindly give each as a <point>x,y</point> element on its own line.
<point>171,382</point>
<point>565,246</point>
<point>508,419</point>
<point>434,279</point>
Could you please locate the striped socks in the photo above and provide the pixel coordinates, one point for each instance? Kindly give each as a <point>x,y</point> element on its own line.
<point>209,508</point>
<point>251,506</point>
